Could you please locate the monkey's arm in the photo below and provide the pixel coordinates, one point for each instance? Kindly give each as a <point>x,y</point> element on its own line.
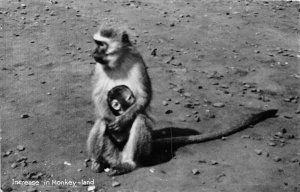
<point>245,122</point>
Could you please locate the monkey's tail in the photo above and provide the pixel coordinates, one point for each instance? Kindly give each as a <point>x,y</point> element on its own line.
<point>247,121</point>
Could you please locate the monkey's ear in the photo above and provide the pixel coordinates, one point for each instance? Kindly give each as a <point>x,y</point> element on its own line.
<point>125,38</point>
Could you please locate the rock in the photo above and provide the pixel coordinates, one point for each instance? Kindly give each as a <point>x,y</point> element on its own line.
<point>177,102</point>
<point>195,172</point>
<point>276,158</point>
<point>294,160</point>
<point>91,188</point>
<point>187,94</point>
<point>270,143</point>
<point>213,162</point>
<point>245,136</point>
<point>7,153</point>
<point>165,103</point>
<point>20,147</point>
<point>14,165</point>
<point>279,134</point>
<point>32,189</point>
<point>52,13</point>
<point>287,116</point>
<point>115,184</point>
<point>219,105</point>
<point>153,52</point>
<point>24,116</point>
<point>189,105</point>
<point>151,170</point>
<point>22,158</point>
<point>169,111</point>
<point>258,151</point>
<point>197,119</point>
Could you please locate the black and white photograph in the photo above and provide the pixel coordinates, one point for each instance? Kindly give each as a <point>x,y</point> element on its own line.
<point>150,95</point>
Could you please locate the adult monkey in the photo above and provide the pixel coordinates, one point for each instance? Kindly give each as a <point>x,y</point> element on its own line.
<point>119,63</point>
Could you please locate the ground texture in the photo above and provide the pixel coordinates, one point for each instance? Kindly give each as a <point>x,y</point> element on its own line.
<point>209,61</point>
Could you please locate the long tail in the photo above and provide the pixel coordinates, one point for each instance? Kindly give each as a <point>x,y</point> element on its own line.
<point>250,119</point>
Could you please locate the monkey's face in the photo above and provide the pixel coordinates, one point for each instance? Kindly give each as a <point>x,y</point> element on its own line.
<point>110,45</point>
<point>120,98</point>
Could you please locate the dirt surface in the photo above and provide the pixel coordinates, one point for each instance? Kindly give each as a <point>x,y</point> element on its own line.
<point>209,61</point>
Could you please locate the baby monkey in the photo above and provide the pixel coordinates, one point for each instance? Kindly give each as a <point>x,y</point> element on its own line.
<point>119,99</point>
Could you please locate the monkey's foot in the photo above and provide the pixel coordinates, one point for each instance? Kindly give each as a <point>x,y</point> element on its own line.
<point>121,169</point>
<point>97,167</point>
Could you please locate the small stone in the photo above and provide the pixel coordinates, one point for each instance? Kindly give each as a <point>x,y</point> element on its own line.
<point>258,151</point>
<point>177,102</point>
<point>67,163</point>
<point>187,94</point>
<point>7,153</point>
<point>219,105</point>
<point>49,93</point>
<point>276,158</point>
<point>213,162</point>
<point>24,116</point>
<point>20,148</point>
<point>270,143</point>
<point>279,134</point>
<point>189,105</point>
<point>32,189</point>
<point>115,184</point>
<point>294,160</point>
<point>91,188</point>
<point>14,165</point>
<point>223,138</point>
<point>153,52</point>
<point>172,24</point>
<point>165,103</point>
<point>169,111</point>
<point>256,51</point>
<point>22,158</point>
<point>197,119</point>
<point>151,170</point>
<point>52,13</point>
<point>195,172</point>
<point>23,6</point>
<point>79,170</point>
<point>287,116</point>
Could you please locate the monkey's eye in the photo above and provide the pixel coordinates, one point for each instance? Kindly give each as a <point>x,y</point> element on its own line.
<point>101,43</point>
<point>130,99</point>
<point>115,104</point>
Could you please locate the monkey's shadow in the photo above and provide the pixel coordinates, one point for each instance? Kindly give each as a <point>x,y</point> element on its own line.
<point>162,153</point>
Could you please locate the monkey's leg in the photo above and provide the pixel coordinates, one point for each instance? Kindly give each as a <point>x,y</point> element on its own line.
<point>137,146</point>
<point>95,145</point>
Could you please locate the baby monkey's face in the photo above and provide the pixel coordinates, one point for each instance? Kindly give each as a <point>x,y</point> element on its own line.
<point>120,98</point>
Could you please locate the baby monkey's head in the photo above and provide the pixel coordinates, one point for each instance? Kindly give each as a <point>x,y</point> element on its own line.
<point>119,99</point>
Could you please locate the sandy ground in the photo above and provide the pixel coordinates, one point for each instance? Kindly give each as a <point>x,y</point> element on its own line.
<point>243,54</point>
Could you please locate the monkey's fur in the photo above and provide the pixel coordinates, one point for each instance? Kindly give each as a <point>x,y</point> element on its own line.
<point>119,63</point>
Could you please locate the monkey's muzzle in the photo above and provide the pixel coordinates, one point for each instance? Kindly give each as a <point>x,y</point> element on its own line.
<point>100,57</point>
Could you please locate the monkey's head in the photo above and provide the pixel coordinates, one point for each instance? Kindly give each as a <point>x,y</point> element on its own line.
<point>111,44</point>
<point>119,99</point>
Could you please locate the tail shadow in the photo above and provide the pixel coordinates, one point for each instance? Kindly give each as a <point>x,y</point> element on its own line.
<point>162,153</point>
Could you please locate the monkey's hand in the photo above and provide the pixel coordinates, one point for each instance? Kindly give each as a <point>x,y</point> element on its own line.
<point>118,124</point>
